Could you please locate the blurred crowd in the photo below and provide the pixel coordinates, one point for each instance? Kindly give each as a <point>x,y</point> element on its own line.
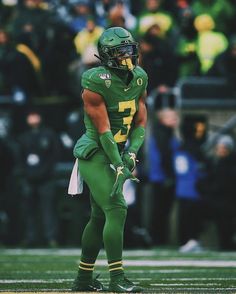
<point>45,46</point>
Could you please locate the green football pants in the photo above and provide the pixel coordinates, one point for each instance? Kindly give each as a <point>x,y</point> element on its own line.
<point>108,214</point>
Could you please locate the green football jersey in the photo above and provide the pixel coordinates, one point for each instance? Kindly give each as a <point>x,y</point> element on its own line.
<point>121,100</point>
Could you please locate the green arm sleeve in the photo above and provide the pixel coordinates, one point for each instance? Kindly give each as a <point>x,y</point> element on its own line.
<point>110,147</point>
<point>136,139</point>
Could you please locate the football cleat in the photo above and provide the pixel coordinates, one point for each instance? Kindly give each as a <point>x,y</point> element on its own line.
<point>88,286</point>
<point>124,285</point>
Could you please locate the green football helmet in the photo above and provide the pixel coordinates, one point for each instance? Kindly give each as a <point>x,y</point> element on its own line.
<point>117,49</point>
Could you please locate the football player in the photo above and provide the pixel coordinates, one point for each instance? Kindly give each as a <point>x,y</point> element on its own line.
<point>114,112</point>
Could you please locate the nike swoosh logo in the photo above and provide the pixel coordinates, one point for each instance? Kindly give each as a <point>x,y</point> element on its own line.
<point>111,141</point>
<point>126,89</point>
<point>126,289</point>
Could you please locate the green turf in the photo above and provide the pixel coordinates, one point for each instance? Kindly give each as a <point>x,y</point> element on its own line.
<point>156,270</point>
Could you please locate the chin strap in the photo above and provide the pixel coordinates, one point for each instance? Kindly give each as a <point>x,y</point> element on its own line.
<point>98,57</point>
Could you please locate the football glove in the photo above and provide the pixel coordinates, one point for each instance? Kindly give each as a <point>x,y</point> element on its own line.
<point>129,159</point>
<point>122,174</point>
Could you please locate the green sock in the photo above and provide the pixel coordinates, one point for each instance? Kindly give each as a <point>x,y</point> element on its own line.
<point>85,272</point>
<point>116,269</point>
<point>91,244</point>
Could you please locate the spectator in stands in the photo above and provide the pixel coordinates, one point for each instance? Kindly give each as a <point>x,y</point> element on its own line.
<point>81,12</point>
<point>189,168</point>
<point>19,68</point>
<point>86,43</point>
<point>61,9</point>
<point>101,10</point>
<point>219,191</point>
<point>9,203</point>
<point>225,65</point>
<point>222,12</point>
<point>39,154</point>
<point>73,129</point>
<point>158,59</point>
<point>60,62</point>
<point>152,14</point>
<point>7,8</point>
<point>119,15</point>
<point>209,43</point>
<point>27,21</point>
<point>161,147</point>
<point>186,49</point>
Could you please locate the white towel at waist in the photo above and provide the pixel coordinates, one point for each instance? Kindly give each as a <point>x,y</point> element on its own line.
<point>76,181</point>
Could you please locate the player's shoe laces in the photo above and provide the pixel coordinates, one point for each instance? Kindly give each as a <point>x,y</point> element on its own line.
<point>124,285</point>
<point>88,286</point>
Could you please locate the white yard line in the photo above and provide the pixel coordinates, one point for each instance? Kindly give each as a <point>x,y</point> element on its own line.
<point>166,263</point>
<point>197,279</point>
<point>49,281</point>
<point>74,252</point>
<point>171,271</point>
<point>35,281</point>
<point>196,289</point>
<point>183,284</point>
<point>146,271</point>
<point>161,263</point>
<point>48,290</point>
<point>131,253</point>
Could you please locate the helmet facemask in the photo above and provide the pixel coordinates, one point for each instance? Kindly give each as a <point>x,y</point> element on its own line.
<point>123,57</point>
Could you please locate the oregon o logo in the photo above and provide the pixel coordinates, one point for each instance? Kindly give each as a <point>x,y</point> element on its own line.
<point>139,82</point>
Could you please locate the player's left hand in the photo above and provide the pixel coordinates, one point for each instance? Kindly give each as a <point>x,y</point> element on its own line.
<point>129,159</point>
<point>122,174</point>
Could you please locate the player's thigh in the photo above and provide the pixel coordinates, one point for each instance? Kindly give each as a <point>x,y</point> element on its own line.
<point>96,211</point>
<point>100,179</point>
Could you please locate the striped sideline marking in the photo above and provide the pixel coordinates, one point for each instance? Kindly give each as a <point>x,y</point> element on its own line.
<point>196,289</point>
<point>41,291</point>
<point>134,253</point>
<point>179,291</point>
<point>166,263</point>
<point>160,263</point>
<point>35,281</point>
<point>49,281</point>
<point>152,271</point>
<point>183,284</point>
<point>74,252</point>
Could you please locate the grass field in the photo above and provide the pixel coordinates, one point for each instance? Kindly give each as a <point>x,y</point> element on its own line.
<point>159,271</point>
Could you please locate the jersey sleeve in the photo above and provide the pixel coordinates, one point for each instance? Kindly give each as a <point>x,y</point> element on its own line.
<point>145,78</point>
<point>91,82</point>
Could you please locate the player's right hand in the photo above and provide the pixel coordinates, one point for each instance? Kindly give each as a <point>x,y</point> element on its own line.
<point>129,159</point>
<point>122,174</point>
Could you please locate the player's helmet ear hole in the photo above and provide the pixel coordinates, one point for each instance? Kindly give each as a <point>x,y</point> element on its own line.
<point>112,47</point>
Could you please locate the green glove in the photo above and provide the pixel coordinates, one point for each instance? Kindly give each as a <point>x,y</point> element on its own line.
<point>122,174</point>
<point>129,160</point>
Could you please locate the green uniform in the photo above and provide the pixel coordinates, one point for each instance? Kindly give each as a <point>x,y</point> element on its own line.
<point>108,213</point>
<point>121,100</point>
